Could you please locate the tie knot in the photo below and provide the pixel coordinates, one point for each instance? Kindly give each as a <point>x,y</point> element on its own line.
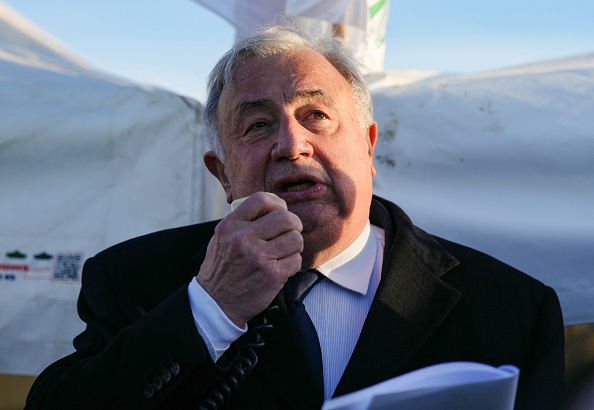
<point>299,285</point>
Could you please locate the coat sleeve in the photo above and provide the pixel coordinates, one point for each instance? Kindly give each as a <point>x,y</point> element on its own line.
<point>543,385</point>
<point>153,359</point>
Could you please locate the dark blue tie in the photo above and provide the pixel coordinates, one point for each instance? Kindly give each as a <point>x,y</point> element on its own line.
<point>296,288</point>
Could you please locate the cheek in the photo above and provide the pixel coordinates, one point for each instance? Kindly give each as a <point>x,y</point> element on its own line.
<point>350,167</point>
<point>249,170</point>
<point>351,156</point>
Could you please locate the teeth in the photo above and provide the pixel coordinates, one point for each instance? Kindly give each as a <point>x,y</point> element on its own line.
<point>297,186</point>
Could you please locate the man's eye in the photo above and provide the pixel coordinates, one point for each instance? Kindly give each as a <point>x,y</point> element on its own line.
<point>318,115</point>
<point>258,124</point>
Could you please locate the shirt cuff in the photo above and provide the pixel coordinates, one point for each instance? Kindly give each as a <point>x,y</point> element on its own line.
<point>217,330</point>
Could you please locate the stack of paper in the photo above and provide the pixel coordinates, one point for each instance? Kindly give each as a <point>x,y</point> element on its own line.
<point>445,386</point>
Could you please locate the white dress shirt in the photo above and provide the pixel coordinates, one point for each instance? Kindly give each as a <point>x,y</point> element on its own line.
<point>337,306</point>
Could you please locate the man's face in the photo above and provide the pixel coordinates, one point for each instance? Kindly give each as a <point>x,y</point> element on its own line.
<point>290,126</point>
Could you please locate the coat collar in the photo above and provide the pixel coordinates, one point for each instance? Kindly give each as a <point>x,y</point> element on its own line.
<point>410,304</point>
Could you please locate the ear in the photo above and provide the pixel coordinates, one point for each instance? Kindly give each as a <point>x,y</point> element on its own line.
<point>372,140</point>
<point>216,167</point>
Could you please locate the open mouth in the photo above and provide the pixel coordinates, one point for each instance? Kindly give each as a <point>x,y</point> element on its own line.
<point>296,186</point>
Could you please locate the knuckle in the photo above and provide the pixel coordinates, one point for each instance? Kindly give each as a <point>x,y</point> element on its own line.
<point>240,240</point>
<point>297,259</point>
<point>260,195</point>
<point>223,227</point>
<point>295,238</point>
<point>286,218</point>
<point>291,265</point>
<point>259,259</point>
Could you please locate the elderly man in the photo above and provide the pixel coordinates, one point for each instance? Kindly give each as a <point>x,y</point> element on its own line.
<point>210,315</point>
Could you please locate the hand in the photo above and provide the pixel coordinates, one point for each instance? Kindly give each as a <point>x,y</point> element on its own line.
<point>253,252</point>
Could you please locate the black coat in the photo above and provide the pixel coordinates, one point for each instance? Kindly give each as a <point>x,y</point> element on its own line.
<point>437,302</point>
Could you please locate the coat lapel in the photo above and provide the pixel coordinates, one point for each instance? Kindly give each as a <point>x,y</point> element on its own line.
<point>410,304</point>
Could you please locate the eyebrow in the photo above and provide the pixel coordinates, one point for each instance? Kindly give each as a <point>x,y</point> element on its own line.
<point>307,95</point>
<point>311,95</point>
<point>248,106</point>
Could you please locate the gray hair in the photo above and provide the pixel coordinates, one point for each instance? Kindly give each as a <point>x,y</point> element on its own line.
<point>276,40</point>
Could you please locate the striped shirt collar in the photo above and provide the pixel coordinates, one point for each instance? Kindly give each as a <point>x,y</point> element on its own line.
<point>353,267</point>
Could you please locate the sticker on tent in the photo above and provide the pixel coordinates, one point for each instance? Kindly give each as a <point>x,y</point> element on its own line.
<point>68,267</point>
<point>58,267</point>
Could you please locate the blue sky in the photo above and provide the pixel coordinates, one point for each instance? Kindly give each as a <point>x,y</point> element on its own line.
<point>175,43</point>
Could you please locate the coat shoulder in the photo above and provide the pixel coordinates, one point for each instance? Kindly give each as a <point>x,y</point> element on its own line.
<point>147,268</point>
<point>186,240</point>
<point>488,270</point>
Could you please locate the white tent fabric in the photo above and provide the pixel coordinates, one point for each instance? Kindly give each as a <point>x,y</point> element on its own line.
<point>86,161</point>
<point>363,22</point>
<point>24,43</point>
<point>501,161</point>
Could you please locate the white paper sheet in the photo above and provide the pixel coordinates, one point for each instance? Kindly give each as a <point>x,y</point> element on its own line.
<point>445,386</point>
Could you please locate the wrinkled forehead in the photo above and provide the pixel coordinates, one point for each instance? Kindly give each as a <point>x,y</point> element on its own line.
<point>246,56</point>
<point>294,57</point>
<point>301,72</point>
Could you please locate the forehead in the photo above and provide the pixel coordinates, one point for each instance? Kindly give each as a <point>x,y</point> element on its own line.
<point>282,78</point>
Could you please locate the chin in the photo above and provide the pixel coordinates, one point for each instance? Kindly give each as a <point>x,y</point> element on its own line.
<point>315,220</point>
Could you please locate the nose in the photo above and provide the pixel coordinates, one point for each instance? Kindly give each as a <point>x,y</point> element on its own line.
<point>292,141</point>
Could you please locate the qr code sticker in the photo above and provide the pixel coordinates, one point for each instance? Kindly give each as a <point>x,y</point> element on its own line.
<point>68,266</point>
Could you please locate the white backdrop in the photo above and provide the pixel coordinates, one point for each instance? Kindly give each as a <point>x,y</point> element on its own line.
<point>501,161</point>
<point>86,161</point>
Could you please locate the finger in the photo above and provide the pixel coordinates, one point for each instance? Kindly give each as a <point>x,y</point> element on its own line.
<point>239,201</point>
<point>289,265</point>
<point>276,223</point>
<point>257,205</point>
<point>266,254</point>
<point>284,245</point>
